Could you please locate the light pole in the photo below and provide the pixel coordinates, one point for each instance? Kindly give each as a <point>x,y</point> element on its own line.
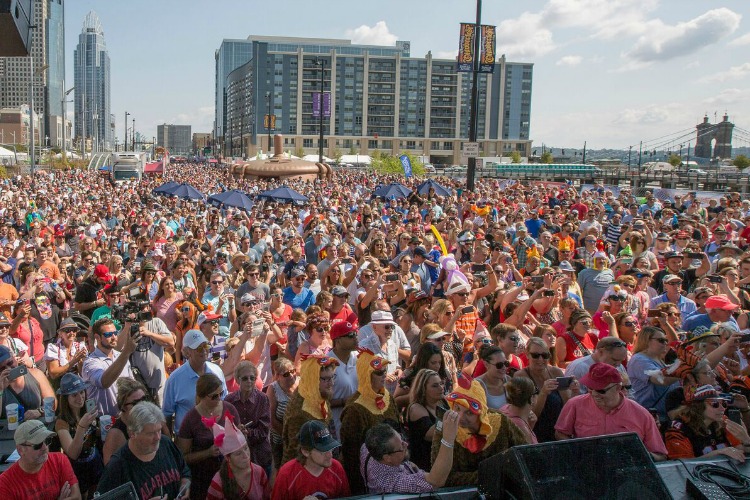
<point>133,134</point>
<point>125,140</point>
<point>31,109</point>
<point>322,63</point>
<point>472,166</point>
<point>268,124</point>
<point>64,102</point>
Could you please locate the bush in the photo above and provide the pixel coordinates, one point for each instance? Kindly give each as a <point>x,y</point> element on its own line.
<point>391,165</point>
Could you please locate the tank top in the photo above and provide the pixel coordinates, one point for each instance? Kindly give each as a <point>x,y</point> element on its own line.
<point>282,399</point>
<point>30,397</point>
<point>493,402</point>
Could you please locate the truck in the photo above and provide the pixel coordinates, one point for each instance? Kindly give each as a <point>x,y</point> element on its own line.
<point>127,166</point>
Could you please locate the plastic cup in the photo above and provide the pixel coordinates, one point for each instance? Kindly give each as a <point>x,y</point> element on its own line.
<point>11,411</point>
<point>49,409</point>
<point>105,424</point>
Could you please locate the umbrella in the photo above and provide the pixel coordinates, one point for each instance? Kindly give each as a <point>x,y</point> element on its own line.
<point>186,192</point>
<point>393,190</point>
<point>232,198</point>
<point>283,195</point>
<point>425,187</point>
<point>164,188</point>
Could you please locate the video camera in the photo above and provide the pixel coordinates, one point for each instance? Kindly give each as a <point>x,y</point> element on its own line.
<point>135,310</point>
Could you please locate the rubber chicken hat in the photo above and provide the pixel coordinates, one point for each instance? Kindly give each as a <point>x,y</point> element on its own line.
<point>471,396</point>
<point>309,386</point>
<point>368,362</point>
<point>564,246</point>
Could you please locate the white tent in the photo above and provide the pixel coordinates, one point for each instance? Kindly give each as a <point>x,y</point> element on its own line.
<point>5,153</point>
<point>355,159</point>
<point>69,154</point>
<point>314,158</point>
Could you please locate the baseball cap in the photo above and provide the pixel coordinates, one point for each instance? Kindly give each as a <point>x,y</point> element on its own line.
<point>194,339</point>
<point>297,272</point>
<point>102,271</point>
<point>32,432</point>
<point>249,297</point>
<point>207,316</point>
<point>601,375</point>
<point>663,237</point>
<point>670,278</point>
<point>339,291</point>
<point>5,321</point>
<point>315,434</point>
<point>342,328</point>
<point>720,302</point>
<point>669,255</point>
<point>566,266</point>
<point>420,252</point>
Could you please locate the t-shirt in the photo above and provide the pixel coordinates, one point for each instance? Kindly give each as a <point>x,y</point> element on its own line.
<point>45,484</point>
<point>161,476</point>
<point>261,291</point>
<point>149,357</point>
<point>294,482</point>
<point>301,300</point>
<point>87,292</point>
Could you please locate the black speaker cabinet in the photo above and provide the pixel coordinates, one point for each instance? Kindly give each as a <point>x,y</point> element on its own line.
<point>15,18</point>
<point>607,467</point>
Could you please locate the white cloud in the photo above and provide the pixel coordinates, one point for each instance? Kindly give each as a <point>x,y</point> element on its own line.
<point>733,73</point>
<point>739,41</point>
<point>569,61</point>
<point>372,35</point>
<point>607,18</point>
<point>663,42</point>
<point>524,37</point>
<point>728,96</point>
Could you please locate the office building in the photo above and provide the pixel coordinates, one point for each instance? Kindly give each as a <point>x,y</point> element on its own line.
<point>93,117</point>
<point>177,139</point>
<point>383,100</point>
<point>202,143</point>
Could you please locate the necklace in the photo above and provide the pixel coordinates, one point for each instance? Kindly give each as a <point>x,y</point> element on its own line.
<point>210,413</point>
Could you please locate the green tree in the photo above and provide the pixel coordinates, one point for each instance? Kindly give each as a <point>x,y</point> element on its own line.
<point>337,155</point>
<point>741,162</point>
<point>675,160</point>
<point>352,151</point>
<point>391,165</point>
<point>547,157</point>
<point>300,152</point>
<point>516,157</point>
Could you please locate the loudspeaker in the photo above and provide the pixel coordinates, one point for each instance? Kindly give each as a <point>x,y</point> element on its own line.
<point>616,466</point>
<point>15,18</point>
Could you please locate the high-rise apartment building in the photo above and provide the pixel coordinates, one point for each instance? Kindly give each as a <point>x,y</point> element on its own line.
<point>177,139</point>
<point>93,118</point>
<point>381,99</point>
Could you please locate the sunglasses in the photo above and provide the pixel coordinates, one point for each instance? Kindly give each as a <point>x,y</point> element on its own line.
<point>37,447</point>
<point>253,274</point>
<point>288,374</point>
<point>501,365</point>
<point>616,298</point>
<point>717,404</point>
<point>107,335</point>
<point>133,403</point>
<point>351,335</point>
<point>248,378</point>
<point>605,391</point>
<point>537,355</point>
<point>320,329</point>
<point>630,324</point>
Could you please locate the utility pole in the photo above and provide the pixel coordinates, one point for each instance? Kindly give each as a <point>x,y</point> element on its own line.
<point>630,150</point>
<point>268,125</point>
<point>125,140</point>
<point>640,152</point>
<point>133,134</point>
<point>64,102</point>
<point>584,152</point>
<point>472,166</point>
<point>322,63</point>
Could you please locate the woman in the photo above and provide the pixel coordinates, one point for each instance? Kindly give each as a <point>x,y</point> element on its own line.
<point>578,341</point>
<point>415,317</point>
<point>16,347</point>
<point>494,379</point>
<point>551,399</point>
<point>427,391</point>
<point>377,250</point>
<point>640,249</point>
<point>432,334</point>
<point>701,426</point>
<point>78,434</point>
<point>567,307</point>
<point>279,392</point>
<point>521,395</point>
<point>238,478</point>
<point>628,328</point>
<point>25,327</point>
<point>195,441</point>
<point>318,341</point>
<point>282,316</point>
<point>117,270</point>
<point>445,315</point>
<point>129,394</point>
<point>649,352</point>
<point>407,278</point>
<point>64,355</point>
<point>428,357</point>
<point>165,302</point>
<point>549,335</point>
<point>510,340</point>
<point>186,316</point>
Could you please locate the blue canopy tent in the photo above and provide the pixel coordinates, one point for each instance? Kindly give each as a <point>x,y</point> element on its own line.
<point>186,192</point>
<point>232,198</point>
<point>393,190</point>
<point>164,188</point>
<point>425,187</point>
<point>283,195</point>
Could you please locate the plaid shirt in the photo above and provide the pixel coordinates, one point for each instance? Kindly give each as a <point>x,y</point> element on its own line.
<point>382,478</point>
<point>521,250</point>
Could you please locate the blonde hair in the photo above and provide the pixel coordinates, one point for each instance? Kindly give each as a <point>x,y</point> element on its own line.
<point>428,330</point>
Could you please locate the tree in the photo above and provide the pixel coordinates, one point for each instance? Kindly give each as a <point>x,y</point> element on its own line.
<point>391,165</point>
<point>741,162</point>
<point>337,155</point>
<point>547,157</point>
<point>675,160</point>
<point>352,151</point>
<point>300,152</point>
<point>516,157</point>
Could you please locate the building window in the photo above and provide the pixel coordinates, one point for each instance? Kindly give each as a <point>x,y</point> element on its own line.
<point>372,144</point>
<point>307,143</point>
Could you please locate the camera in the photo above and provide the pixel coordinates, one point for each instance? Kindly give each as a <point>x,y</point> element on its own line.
<point>135,310</point>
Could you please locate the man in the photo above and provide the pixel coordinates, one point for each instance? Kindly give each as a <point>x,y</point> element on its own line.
<point>314,473</point>
<point>179,393</point>
<point>672,286</point>
<point>253,285</point>
<point>384,343</point>
<point>105,365</point>
<point>595,281</point>
<point>310,402</point>
<point>46,266</point>
<point>679,264</point>
<point>222,301</point>
<point>296,295</point>
<point>718,310</point>
<point>385,465</point>
<point>209,326</point>
<point>332,254</point>
<point>314,245</point>
<point>38,473</point>
<point>340,309</point>
<point>87,293</point>
<point>421,267</point>
<point>609,350</point>
<point>605,410</point>
<point>150,460</point>
<point>344,337</point>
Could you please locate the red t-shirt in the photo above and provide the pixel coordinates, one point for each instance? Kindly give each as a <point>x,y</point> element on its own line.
<point>294,482</point>
<point>572,351</point>
<point>44,485</point>
<point>283,322</point>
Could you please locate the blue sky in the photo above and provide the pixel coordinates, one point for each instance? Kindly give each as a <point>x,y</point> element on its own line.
<point>610,72</point>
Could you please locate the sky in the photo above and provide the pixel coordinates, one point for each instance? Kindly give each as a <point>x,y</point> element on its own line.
<point>611,73</point>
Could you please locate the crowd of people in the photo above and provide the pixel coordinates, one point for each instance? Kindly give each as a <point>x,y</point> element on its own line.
<point>354,344</point>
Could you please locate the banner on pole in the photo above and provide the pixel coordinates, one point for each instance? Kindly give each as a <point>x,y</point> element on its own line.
<point>326,104</point>
<point>407,165</point>
<point>269,123</point>
<point>487,56</point>
<point>466,48</point>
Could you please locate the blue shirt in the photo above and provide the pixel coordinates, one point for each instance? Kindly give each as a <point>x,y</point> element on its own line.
<point>302,300</point>
<point>179,393</point>
<point>701,323</point>
<point>645,393</point>
<point>686,306</point>
<point>534,226</point>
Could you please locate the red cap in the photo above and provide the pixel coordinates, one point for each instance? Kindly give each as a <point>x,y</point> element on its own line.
<point>601,375</point>
<point>720,302</point>
<point>102,271</point>
<point>59,234</point>
<point>342,328</point>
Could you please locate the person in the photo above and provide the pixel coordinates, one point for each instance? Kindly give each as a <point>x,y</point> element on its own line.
<point>385,463</point>
<point>105,365</point>
<point>578,341</point>
<point>27,390</point>
<point>150,460</point>
<point>609,350</point>
<point>481,433</point>
<point>702,430</point>
<point>296,295</point>
<point>429,356</point>
<point>606,409</point>
<point>179,392</point>
<point>344,338</point>
<point>719,308</point>
<point>386,344</point>
<point>494,379</point>
<point>255,413</point>
<point>369,406</point>
<point>310,402</point>
<point>76,429</point>
<point>521,395</point>
<point>314,472</point>
<point>48,475</point>
<point>87,296</point>
<point>66,354</point>
<point>649,390</point>
<point>129,393</point>
<point>238,478</point>
<point>196,441</point>
<point>421,414</point>
<point>279,392</point>
<point>595,281</point>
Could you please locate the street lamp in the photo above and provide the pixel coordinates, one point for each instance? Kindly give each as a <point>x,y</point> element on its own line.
<point>268,124</point>
<point>322,63</point>
<point>125,140</point>
<point>31,109</point>
<point>133,134</point>
<point>64,102</point>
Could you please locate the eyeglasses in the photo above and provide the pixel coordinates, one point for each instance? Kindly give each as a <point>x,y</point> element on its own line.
<point>217,282</point>
<point>350,335</point>
<point>514,339</point>
<point>37,447</point>
<point>630,324</point>
<point>107,335</point>
<point>320,329</point>
<point>616,298</point>
<point>676,283</point>
<point>500,365</point>
<point>288,374</point>
<point>378,373</point>
<point>248,378</point>
<point>662,340</point>
<point>713,404</point>
<point>389,327</point>
<point>135,402</point>
<point>537,355</point>
<point>606,390</point>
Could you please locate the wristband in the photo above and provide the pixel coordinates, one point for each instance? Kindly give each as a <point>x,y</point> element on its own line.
<point>446,443</point>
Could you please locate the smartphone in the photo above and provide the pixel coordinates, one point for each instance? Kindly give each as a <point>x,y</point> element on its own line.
<point>734,415</point>
<point>439,414</point>
<point>347,260</point>
<point>390,278</point>
<point>537,279</point>
<point>745,338</point>
<point>18,371</point>
<point>563,382</point>
<point>654,313</point>
<point>90,405</point>
<point>257,328</point>
<point>715,279</point>
<point>509,260</point>
<point>695,255</point>
<point>548,293</point>
<point>216,357</point>
<point>478,268</point>
<point>467,310</point>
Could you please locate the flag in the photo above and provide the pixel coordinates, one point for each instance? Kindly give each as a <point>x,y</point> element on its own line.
<point>407,165</point>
